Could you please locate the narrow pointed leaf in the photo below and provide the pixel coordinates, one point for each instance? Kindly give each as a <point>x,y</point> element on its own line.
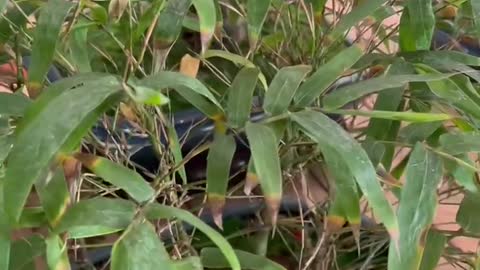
<point>5,231</point>
<point>463,175</point>
<point>140,248</point>
<point>460,143</point>
<point>175,147</point>
<point>13,105</point>
<point>263,146</point>
<point>189,88</point>
<point>237,60</point>
<point>51,130</point>
<point>169,23</point>
<point>219,160</point>
<point>417,208</point>
<point>240,96</point>
<point>346,191</point>
<point>25,251</point>
<point>156,211</point>
<point>358,13</point>
<point>435,244</point>
<point>326,132</point>
<point>212,258</point>
<point>45,38</point>
<point>207,15</point>
<point>57,253</point>
<point>327,74</point>
<point>349,93</point>
<point>467,216</point>
<point>119,176</point>
<point>148,17</point>
<point>54,195</point>
<point>256,15</point>
<point>400,116</point>
<point>476,15</point>
<point>418,132</point>
<point>79,48</point>
<point>283,87</point>
<point>96,216</point>
<point>450,90</point>
<point>417,25</point>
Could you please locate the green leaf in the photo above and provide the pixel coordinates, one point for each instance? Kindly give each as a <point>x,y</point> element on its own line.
<point>57,253</point>
<point>190,88</point>
<point>148,17</point>
<point>418,132</point>
<point>467,215</point>
<point>400,116</point>
<point>15,17</point>
<point>435,244</point>
<point>450,90</point>
<point>219,160</point>
<point>148,96</point>
<point>442,56</point>
<point>283,87</point>
<point>25,251</point>
<point>263,146</point>
<point>237,60</point>
<point>190,263</point>
<point>78,46</point>
<point>47,30</point>
<point>212,258</point>
<point>140,248</point>
<point>3,5</point>
<point>54,128</point>
<point>352,92</point>
<point>156,211</point>
<point>463,175</point>
<point>240,96</point>
<point>460,143</point>
<point>5,231</point>
<point>476,14</point>
<point>119,176</point>
<point>417,208</point>
<point>346,191</point>
<point>207,15</point>
<point>417,25</point>
<point>256,15</point>
<point>13,105</point>
<point>360,12</point>
<point>326,75</point>
<point>326,132</point>
<point>54,195</point>
<point>169,23</point>
<point>176,148</point>
<point>97,216</point>
<point>32,217</point>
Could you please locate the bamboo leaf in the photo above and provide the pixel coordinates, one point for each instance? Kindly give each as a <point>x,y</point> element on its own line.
<point>54,196</point>
<point>283,87</point>
<point>256,15</point>
<point>13,105</point>
<point>220,156</point>
<point>325,132</point>
<point>148,17</point>
<point>455,144</point>
<point>57,253</point>
<point>417,25</point>
<point>263,146</point>
<point>435,244</point>
<point>450,90</point>
<point>25,251</point>
<point>349,93</point>
<point>169,23</point>
<point>97,216</point>
<point>140,248</point>
<point>175,147</point>
<point>476,14</point>
<point>237,60</point>
<point>400,116</point>
<point>156,211</point>
<point>240,96</point>
<point>190,263</point>
<point>327,74</point>
<point>5,231</point>
<point>207,15</point>
<point>45,38</point>
<point>58,126</point>
<point>79,48</point>
<point>346,191</point>
<point>118,175</point>
<point>467,216</point>
<point>417,208</point>
<point>212,258</point>
<point>418,132</point>
<point>360,12</point>
<point>189,88</point>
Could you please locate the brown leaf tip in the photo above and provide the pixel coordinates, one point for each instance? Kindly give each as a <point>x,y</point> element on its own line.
<point>89,161</point>
<point>273,205</point>
<point>251,181</point>
<point>216,204</point>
